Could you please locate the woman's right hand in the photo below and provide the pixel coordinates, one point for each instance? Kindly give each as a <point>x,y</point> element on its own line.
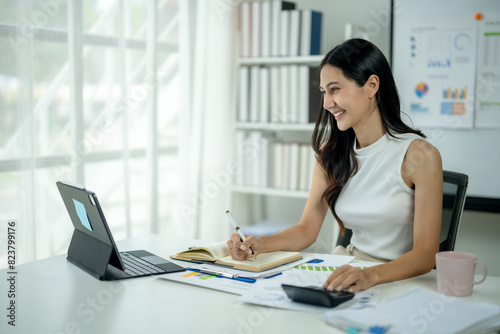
<point>240,250</point>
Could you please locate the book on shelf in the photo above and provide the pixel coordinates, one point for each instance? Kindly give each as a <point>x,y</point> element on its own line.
<point>294,94</point>
<point>310,39</point>
<point>218,253</point>
<point>256,30</point>
<point>254,93</point>
<point>264,162</point>
<point>295,33</point>
<point>314,96</point>
<point>303,97</point>
<point>264,94</point>
<point>285,33</point>
<point>276,165</point>
<point>284,173</point>
<point>278,94</point>
<point>286,93</point>
<point>244,80</point>
<point>275,95</point>
<point>277,7</point>
<point>266,36</point>
<point>245,26</point>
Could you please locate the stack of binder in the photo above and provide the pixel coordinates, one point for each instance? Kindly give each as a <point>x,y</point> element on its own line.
<point>274,28</point>
<point>266,163</point>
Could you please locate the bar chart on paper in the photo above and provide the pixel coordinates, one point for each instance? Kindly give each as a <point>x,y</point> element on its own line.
<point>320,268</point>
<point>455,93</point>
<point>307,275</point>
<point>209,281</point>
<point>198,275</point>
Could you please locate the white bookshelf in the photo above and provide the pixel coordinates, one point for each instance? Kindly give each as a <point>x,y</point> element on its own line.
<point>253,202</point>
<point>269,61</point>
<point>275,127</point>
<point>271,204</point>
<point>268,191</point>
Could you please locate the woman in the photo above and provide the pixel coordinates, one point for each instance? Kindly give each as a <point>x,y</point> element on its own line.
<point>377,175</point>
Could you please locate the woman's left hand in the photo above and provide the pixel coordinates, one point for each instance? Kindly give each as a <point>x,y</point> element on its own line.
<point>349,278</point>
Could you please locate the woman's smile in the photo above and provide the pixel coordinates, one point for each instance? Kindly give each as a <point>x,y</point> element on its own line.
<point>338,114</point>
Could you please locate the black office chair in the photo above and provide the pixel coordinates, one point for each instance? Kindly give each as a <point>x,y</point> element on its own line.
<point>454,190</point>
<point>454,193</point>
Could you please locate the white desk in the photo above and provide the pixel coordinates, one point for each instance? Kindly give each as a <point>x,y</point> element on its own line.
<point>54,296</point>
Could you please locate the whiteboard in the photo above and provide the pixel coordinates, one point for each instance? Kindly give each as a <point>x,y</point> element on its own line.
<point>471,150</point>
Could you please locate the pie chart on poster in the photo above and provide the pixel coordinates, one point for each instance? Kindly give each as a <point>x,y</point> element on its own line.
<point>421,89</point>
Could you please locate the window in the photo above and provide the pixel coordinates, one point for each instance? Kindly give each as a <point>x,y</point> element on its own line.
<point>89,93</point>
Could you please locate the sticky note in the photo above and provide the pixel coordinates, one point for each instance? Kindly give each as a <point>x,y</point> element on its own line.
<point>82,214</point>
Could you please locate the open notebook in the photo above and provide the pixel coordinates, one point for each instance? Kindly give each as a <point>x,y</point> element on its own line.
<point>218,254</point>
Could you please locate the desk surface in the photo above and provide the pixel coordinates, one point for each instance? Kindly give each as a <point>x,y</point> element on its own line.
<point>54,296</point>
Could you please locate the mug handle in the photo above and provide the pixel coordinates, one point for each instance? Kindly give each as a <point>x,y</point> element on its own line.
<point>485,271</point>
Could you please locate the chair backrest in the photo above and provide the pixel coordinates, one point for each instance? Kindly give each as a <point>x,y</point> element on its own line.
<point>454,191</point>
<point>344,240</point>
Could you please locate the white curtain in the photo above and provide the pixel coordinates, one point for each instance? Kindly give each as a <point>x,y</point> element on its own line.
<point>208,117</point>
<point>89,93</point>
<point>133,170</point>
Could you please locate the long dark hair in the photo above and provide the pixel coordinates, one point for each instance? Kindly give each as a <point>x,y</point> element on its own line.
<point>358,59</point>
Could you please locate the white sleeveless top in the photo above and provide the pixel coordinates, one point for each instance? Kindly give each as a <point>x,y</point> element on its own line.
<point>376,203</point>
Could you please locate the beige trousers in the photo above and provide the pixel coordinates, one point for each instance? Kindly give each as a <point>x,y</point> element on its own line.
<point>350,250</point>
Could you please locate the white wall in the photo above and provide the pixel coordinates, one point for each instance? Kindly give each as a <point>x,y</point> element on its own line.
<point>479,233</point>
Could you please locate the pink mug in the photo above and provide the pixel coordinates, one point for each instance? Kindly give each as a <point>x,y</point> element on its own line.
<point>455,273</point>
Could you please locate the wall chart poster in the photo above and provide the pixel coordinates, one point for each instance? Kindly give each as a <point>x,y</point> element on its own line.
<point>488,72</point>
<point>438,86</point>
